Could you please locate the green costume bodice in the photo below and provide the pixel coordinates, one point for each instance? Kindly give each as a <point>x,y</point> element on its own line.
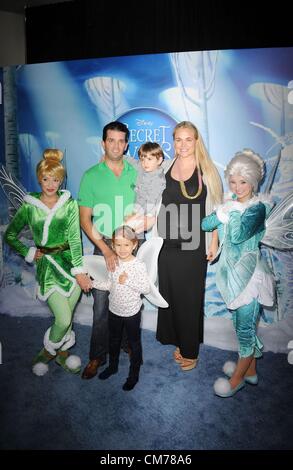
<point>50,228</point>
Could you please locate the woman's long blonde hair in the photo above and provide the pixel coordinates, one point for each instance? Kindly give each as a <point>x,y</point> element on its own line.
<point>50,165</point>
<point>210,173</point>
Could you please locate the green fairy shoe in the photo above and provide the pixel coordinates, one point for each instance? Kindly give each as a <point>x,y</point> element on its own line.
<point>70,363</point>
<point>40,362</point>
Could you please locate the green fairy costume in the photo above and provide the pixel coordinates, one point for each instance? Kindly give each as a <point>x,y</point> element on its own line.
<point>56,232</point>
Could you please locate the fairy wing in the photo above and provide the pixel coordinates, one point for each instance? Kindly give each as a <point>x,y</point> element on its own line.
<point>15,193</point>
<point>13,189</point>
<point>279,225</point>
<point>96,267</point>
<point>148,253</point>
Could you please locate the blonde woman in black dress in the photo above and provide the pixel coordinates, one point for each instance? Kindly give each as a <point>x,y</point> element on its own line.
<point>193,187</point>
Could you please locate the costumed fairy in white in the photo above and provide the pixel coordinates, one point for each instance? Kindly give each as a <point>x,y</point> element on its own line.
<point>244,279</point>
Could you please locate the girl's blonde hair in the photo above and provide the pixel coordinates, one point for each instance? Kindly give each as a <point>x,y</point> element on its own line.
<point>210,173</point>
<point>50,165</point>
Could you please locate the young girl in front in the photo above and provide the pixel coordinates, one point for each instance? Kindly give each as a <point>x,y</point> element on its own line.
<point>53,218</point>
<point>126,284</point>
<point>242,276</point>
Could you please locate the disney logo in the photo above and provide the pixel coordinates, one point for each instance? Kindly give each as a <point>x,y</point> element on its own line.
<point>143,122</point>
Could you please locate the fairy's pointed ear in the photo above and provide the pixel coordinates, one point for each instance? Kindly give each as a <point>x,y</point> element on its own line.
<point>64,163</point>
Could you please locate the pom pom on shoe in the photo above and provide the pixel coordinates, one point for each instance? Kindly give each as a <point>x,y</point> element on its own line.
<point>290,353</point>
<point>73,362</point>
<point>222,386</point>
<point>40,369</point>
<point>229,368</point>
<point>290,357</point>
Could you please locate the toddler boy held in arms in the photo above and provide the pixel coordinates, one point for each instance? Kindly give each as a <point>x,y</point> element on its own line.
<point>150,181</point>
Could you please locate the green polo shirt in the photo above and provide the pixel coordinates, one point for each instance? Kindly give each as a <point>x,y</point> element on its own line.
<point>110,197</point>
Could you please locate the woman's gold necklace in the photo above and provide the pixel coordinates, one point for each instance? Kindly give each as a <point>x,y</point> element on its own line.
<point>184,190</point>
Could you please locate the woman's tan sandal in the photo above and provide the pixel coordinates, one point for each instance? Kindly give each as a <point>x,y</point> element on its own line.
<point>177,356</point>
<point>188,364</point>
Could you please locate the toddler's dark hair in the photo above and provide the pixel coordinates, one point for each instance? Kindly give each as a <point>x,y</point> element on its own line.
<point>150,147</point>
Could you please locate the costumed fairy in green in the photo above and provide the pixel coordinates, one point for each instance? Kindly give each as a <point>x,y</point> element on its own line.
<point>53,218</point>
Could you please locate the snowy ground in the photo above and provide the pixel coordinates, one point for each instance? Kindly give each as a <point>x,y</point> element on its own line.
<point>218,331</point>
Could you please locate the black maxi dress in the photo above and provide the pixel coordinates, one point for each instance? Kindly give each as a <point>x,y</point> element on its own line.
<point>182,272</point>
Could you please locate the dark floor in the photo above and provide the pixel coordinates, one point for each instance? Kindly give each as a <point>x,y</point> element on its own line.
<point>168,409</point>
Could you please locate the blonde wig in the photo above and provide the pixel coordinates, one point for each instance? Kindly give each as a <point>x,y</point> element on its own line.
<point>247,164</point>
<point>50,165</point>
<point>210,173</point>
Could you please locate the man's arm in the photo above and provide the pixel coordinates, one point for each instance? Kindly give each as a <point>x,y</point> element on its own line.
<point>87,226</point>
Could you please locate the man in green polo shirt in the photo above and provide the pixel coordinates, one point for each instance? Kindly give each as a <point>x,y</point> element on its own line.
<point>106,196</point>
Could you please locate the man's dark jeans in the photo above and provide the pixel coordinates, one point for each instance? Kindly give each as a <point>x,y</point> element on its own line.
<point>99,345</point>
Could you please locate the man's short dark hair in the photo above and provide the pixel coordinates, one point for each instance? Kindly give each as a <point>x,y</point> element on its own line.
<point>116,126</point>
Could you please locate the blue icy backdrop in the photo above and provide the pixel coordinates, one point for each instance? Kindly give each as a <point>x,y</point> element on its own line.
<point>237,98</point>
